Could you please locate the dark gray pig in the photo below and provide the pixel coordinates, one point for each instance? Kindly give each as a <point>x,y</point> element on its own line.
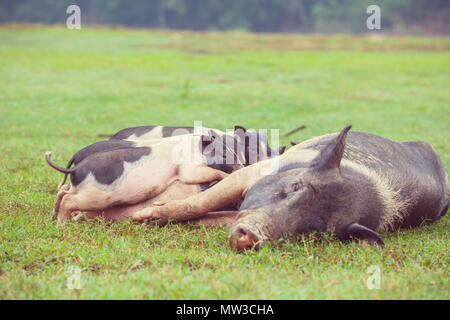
<point>353,184</point>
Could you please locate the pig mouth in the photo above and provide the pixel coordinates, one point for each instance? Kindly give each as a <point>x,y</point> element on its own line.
<point>250,231</point>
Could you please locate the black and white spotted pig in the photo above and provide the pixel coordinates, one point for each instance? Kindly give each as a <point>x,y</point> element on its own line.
<point>136,173</point>
<point>128,138</point>
<point>354,184</point>
<point>255,145</point>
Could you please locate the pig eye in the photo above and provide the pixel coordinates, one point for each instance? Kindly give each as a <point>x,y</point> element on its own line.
<point>296,186</point>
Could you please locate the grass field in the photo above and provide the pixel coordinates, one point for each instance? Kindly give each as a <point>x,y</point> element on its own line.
<point>60,89</point>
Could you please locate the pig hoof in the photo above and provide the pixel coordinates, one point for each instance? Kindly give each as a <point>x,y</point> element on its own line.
<point>78,217</point>
<point>242,239</point>
<point>147,213</point>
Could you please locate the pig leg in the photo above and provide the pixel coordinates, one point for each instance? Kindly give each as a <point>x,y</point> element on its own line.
<point>79,207</point>
<point>67,206</point>
<point>176,190</point>
<point>224,192</point>
<point>58,200</point>
<point>200,174</point>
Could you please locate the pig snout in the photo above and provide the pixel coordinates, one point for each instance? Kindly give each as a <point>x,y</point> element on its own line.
<point>251,229</point>
<point>243,239</point>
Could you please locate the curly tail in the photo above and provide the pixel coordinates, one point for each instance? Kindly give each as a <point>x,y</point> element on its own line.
<point>65,175</point>
<point>66,171</point>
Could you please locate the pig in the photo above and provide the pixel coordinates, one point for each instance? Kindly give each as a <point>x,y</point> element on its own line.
<point>128,137</point>
<point>256,146</point>
<point>353,184</point>
<point>132,174</point>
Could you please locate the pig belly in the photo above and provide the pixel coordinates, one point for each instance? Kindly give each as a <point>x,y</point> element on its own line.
<point>176,191</point>
<point>141,183</point>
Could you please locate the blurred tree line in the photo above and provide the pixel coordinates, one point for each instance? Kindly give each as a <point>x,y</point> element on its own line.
<point>407,16</point>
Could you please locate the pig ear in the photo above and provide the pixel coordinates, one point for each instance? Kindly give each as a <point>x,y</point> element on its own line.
<point>281,150</point>
<point>293,143</point>
<point>212,134</point>
<point>241,133</point>
<point>357,231</point>
<point>330,156</point>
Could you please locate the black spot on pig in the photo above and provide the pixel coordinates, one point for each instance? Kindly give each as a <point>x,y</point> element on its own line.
<point>219,151</point>
<point>176,131</point>
<point>140,131</point>
<point>100,146</point>
<point>107,166</point>
<point>128,132</point>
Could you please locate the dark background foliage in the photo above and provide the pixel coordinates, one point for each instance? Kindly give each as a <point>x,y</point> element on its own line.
<point>329,16</point>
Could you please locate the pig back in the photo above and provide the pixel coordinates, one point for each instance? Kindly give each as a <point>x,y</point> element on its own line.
<point>409,177</point>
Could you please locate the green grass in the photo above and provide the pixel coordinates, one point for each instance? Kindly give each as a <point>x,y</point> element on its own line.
<point>59,89</point>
